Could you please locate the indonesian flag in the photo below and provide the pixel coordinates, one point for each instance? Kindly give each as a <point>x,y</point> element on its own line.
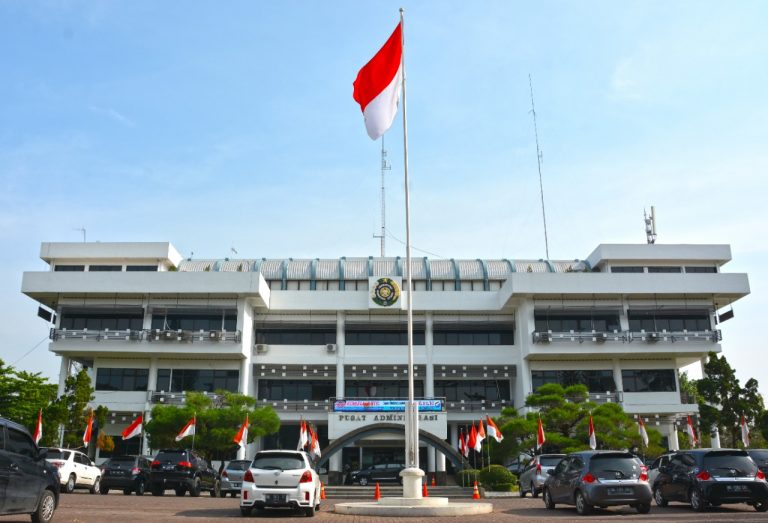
<point>303,440</point>
<point>493,430</point>
<point>39,427</point>
<point>377,86</point>
<point>462,444</point>
<point>691,433</point>
<point>88,431</point>
<point>744,431</point>
<point>592,438</point>
<point>314,442</point>
<point>480,436</point>
<point>134,429</point>
<point>540,438</point>
<point>472,439</point>
<point>188,430</point>
<point>642,431</point>
<point>241,438</point>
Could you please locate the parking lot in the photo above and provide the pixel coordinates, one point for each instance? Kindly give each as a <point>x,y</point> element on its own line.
<point>115,508</point>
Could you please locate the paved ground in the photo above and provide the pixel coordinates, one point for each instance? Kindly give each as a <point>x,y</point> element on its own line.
<point>81,507</point>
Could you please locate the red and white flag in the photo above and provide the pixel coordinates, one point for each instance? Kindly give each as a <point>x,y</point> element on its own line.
<point>540,438</point>
<point>39,427</point>
<point>592,438</point>
<point>744,431</point>
<point>493,430</point>
<point>88,431</point>
<point>462,444</point>
<point>303,439</point>
<point>472,438</point>
<point>134,429</point>
<point>241,438</point>
<point>377,86</point>
<point>188,430</point>
<point>314,443</point>
<point>691,433</point>
<point>480,436</point>
<point>465,443</point>
<point>642,431</point>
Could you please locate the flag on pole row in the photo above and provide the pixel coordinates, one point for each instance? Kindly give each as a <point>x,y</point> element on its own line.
<point>39,427</point>
<point>88,430</point>
<point>378,84</point>
<point>592,438</point>
<point>472,438</point>
<point>691,433</point>
<point>188,430</point>
<point>241,438</point>
<point>641,430</point>
<point>493,430</point>
<point>540,438</point>
<point>744,431</point>
<point>480,436</point>
<point>134,429</point>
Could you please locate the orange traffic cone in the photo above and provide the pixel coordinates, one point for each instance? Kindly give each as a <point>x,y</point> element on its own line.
<point>434,480</point>
<point>424,491</point>
<point>475,493</point>
<point>377,492</point>
<point>322,490</point>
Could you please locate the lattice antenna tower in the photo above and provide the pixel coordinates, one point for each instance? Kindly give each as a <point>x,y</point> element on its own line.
<point>650,225</point>
<point>385,166</point>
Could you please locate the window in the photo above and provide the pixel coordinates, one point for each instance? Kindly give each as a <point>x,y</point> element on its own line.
<point>369,335</point>
<point>105,268</point>
<point>74,319</point>
<point>296,390</point>
<point>649,380</point>
<point>595,380</point>
<point>576,322</point>
<point>198,380</point>
<point>664,269</point>
<point>671,321</point>
<point>69,268</point>
<point>20,443</point>
<point>627,269</point>
<point>121,379</point>
<point>700,270</point>
<point>474,335</point>
<point>195,321</point>
<point>295,335</point>
<point>458,390</point>
<point>381,389</point>
<point>141,268</point>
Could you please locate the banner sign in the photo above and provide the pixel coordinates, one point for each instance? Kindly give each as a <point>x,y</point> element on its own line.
<point>431,405</point>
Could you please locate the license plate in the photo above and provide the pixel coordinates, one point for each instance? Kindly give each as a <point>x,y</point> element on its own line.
<point>274,498</point>
<point>168,467</point>
<point>736,488</point>
<point>617,491</point>
<point>236,484</point>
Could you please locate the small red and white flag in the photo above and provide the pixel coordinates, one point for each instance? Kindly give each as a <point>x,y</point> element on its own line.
<point>303,438</point>
<point>540,438</point>
<point>493,430</point>
<point>744,431</point>
<point>641,430</point>
<point>461,444</point>
<point>592,438</point>
<point>691,433</point>
<point>241,438</point>
<point>378,83</point>
<point>480,436</point>
<point>88,430</point>
<point>472,438</point>
<point>39,427</point>
<point>188,430</point>
<point>134,429</point>
<point>314,444</point>
<point>465,442</point>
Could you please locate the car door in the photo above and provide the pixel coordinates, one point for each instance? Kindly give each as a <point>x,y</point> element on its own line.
<point>379,472</point>
<point>4,467</point>
<point>557,486</point>
<point>25,472</point>
<point>83,469</point>
<point>675,481</point>
<point>572,477</point>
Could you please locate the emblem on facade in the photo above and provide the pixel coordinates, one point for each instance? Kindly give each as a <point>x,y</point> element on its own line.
<point>385,293</point>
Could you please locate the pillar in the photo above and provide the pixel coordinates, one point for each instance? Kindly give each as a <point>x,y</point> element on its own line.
<point>335,476</point>
<point>440,473</point>
<point>245,326</point>
<point>617,378</point>
<point>430,459</point>
<point>674,444</point>
<point>63,374</point>
<point>524,327</point>
<point>340,349</point>
<point>453,429</point>
<point>429,385</point>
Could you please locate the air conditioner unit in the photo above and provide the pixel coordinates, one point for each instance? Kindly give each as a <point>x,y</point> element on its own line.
<point>330,348</point>
<point>600,337</point>
<point>652,337</point>
<point>214,335</point>
<point>542,337</point>
<point>262,348</point>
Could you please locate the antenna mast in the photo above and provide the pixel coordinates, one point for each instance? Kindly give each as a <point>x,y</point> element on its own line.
<point>650,226</point>
<point>538,160</point>
<point>384,168</point>
<point>82,230</point>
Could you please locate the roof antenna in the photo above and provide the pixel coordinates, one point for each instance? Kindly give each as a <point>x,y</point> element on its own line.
<point>82,230</point>
<point>650,226</point>
<point>538,160</point>
<point>384,168</point>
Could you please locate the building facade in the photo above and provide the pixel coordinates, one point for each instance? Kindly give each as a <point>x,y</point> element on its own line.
<point>325,339</point>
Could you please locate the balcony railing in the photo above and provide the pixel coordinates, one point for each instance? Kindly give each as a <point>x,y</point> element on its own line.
<point>297,405</point>
<point>477,406</point>
<point>627,336</point>
<point>149,335</point>
<point>177,398</point>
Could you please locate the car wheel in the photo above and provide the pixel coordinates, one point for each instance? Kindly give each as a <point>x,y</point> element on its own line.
<point>246,511</point>
<point>127,492</point>
<point>195,490</point>
<point>548,499</point>
<point>104,491</point>
<point>643,508</point>
<point>659,499</point>
<point>96,486</point>
<point>522,491</point>
<point>309,512</point>
<point>141,487</point>
<point>45,508</point>
<point>180,491</point>
<point>233,494</point>
<point>534,492</point>
<point>363,481</point>
<point>697,501</point>
<point>69,487</point>
<point>761,506</point>
<point>582,507</point>
<point>157,490</point>
<point>216,492</point>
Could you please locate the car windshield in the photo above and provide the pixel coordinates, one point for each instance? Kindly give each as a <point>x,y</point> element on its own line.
<point>614,466</point>
<point>120,460</point>
<point>729,464</point>
<point>57,454</point>
<point>760,456</point>
<point>169,455</point>
<point>238,465</point>
<point>550,461</point>
<point>275,461</point>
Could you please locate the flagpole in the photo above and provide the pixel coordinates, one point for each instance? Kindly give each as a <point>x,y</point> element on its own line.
<point>194,432</point>
<point>412,418</point>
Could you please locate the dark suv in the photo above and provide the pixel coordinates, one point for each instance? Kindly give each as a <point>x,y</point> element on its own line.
<point>704,477</point>
<point>28,483</point>
<point>380,472</point>
<point>760,457</point>
<point>182,471</point>
<point>128,473</point>
<point>599,477</point>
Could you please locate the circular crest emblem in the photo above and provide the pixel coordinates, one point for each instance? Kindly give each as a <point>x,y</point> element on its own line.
<point>386,292</point>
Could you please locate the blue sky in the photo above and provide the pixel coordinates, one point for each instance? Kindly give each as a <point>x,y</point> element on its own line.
<point>214,125</point>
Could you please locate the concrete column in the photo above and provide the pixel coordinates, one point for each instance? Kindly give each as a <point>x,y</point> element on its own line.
<point>152,378</point>
<point>340,350</point>
<point>63,374</point>
<point>453,430</point>
<point>245,326</point>
<point>617,378</point>
<point>524,327</point>
<point>147,322</point>
<point>430,459</point>
<point>674,444</point>
<point>335,476</point>
<point>703,363</point>
<point>429,385</point>
<point>440,473</point>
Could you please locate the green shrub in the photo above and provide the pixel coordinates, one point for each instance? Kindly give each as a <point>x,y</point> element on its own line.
<point>503,487</point>
<point>496,475</point>
<point>467,477</point>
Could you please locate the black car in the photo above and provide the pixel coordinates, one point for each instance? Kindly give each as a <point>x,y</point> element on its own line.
<point>380,472</point>
<point>183,471</point>
<point>760,457</point>
<point>127,473</point>
<point>28,483</point>
<point>711,477</point>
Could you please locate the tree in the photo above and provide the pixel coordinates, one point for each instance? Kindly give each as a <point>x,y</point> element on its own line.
<point>71,411</point>
<point>23,394</point>
<point>218,420</point>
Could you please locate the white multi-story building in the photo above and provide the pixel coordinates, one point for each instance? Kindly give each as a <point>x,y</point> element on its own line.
<point>300,334</point>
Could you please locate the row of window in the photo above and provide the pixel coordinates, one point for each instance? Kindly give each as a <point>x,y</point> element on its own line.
<point>101,321</point>
<point>105,268</point>
<point>634,380</point>
<point>664,269</point>
<point>213,321</point>
<point>563,322</point>
<point>78,320</point>
<point>203,380</point>
<point>652,321</point>
<point>122,379</point>
<point>649,321</point>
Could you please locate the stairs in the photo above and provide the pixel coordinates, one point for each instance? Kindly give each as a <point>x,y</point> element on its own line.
<point>391,491</point>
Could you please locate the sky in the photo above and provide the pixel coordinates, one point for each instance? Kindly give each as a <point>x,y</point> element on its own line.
<point>232,125</point>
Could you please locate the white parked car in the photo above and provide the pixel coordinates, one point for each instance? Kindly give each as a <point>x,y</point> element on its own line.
<point>76,470</point>
<point>280,479</point>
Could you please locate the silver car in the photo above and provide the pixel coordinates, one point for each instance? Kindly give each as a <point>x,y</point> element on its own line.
<point>535,473</point>
<point>231,478</point>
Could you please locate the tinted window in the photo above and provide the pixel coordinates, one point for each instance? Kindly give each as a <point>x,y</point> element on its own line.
<point>760,456</point>
<point>550,461</point>
<point>120,460</point>
<point>664,269</point>
<point>627,269</point>
<point>700,270</point>
<point>277,461</point>
<point>141,268</point>
<point>595,380</point>
<point>122,379</point>
<point>614,466</point>
<point>209,380</point>
<point>20,443</point>
<point>105,268</point>
<point>649,380</point>
<point>58,454</point>
<point>276,335</point>
<point>729,464</point>
<point>69,268</point>
<point>171,455</point>
<point>585,322</point>
<point>238,465</point>
<point>561,466</point>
